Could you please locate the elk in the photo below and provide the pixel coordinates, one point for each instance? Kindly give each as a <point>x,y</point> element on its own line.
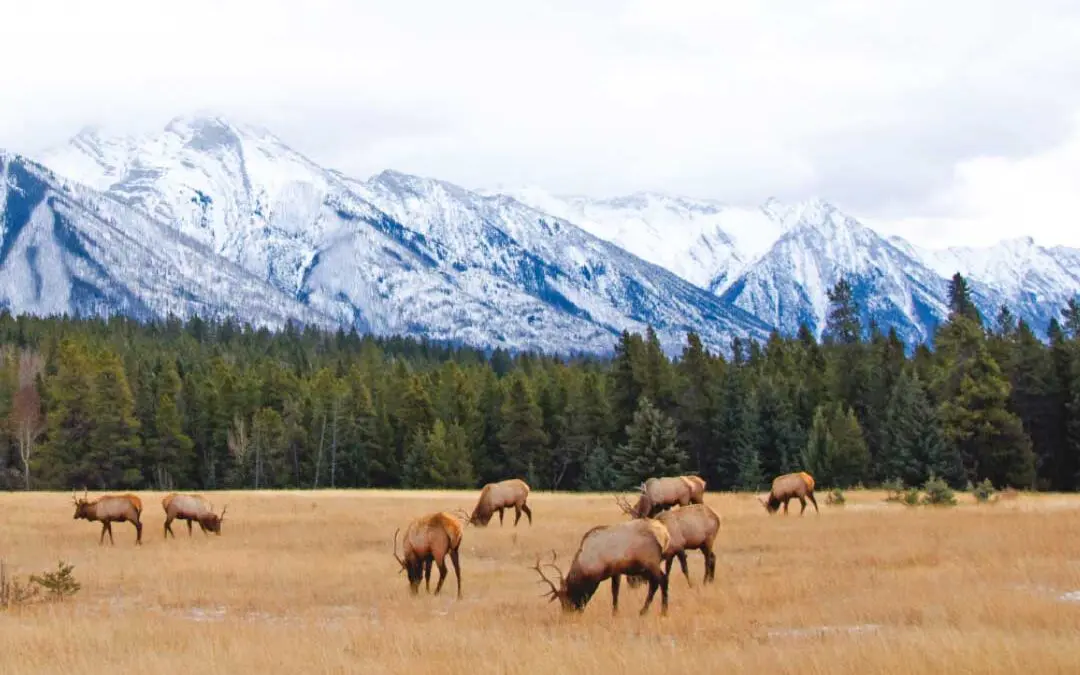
<point>498,496</point>
<point>790,486</point>
<point>110,509</point>
<point>428,539</point>
<point>692,527</point>
<point>659,494</point>
<point>609,552</point>
<point>191,508</point>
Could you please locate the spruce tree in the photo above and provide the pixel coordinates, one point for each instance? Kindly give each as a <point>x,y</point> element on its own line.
<point>914,445</point>
<point>522,434</point>
<point>651,449</point>
<point>114,440</point>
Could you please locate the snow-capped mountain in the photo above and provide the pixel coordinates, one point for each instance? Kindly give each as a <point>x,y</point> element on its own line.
<point>396,254</point>
<point>708,243</point>
<point>67,249</point>
<point>1034,281</point>
<point>213,217</point>
<point>778,261</point>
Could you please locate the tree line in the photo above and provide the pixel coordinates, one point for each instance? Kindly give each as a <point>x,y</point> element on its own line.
<point>118,404</point>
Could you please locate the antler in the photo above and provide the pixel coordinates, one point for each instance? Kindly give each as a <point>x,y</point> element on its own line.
<point>400,561</point>
<point>624,504</point>
<point>223,509</point>
<point>463,514</point>
<point>554,592</point>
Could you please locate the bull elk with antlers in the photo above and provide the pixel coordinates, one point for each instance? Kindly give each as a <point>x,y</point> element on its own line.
<point>429,539</point>
<point>609,552</point>
<point>691,528</point>
<point>787,487</point>
<point>498,496</point>
<point>110,509</point>
<point>660,494</point>
<point>191,508</point>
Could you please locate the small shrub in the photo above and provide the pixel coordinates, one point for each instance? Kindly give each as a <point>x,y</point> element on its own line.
<point>836,497</point>
<point>894,490</point>
<point>938,493</point>
<point>12,592</point>
<point>60,584</point>
<point>911,497</point>
<point>984,492</point>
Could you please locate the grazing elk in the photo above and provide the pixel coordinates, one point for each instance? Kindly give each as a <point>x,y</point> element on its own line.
<point>498,496</point>
<point>428,539</point>
<point>790,486</point>
<point>191,508</point>
<point>609,552</point>
<point>110,509</point>
<point>660,494</point>
<point>692,527</point>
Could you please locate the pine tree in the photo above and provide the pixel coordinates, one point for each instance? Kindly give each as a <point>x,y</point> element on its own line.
<point>914,445</point>
<point>114,440</point>
<point>736,458</point>
<point>171,448</point>
<point>850,460</point>
<point>522,434</point>
<point>651,448</point>
<point>842,324</point>
<point>779,436</point>
<point>974,396</point>
<point>697,407</point>
<point>627,382</point>
<point>960,302</point>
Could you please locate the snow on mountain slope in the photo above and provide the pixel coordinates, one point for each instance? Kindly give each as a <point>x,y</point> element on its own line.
<point>705,242</point>
<point>789,285</point>
<point>495,276</point>
<point>556,260</point>
<point>66,249</point>
<point>1035,282</point>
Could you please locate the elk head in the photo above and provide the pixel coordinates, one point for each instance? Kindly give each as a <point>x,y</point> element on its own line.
<point>213,521</point>
<point>770,505</point>
<point>80,505</point>
<point>557,591</point>
<point>412,567</point>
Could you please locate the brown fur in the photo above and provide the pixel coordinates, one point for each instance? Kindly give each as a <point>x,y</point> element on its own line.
<point>692,527</point>
<point>498,496</point>
<point>191,508</point>
<point>660,494</point>
<point>109,509</point>
<point>429,539</point>
<point>610,552</point>
<point>787,487</point>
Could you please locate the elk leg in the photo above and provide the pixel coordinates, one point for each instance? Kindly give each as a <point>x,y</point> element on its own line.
<point>500,517</point>
<point>101,539</point>
<point>517,514</point>
<point>802,500</point>
<point>785,507</point>
<point>681,555</point>
<point>168,528</point>
<point>710,565</point>
<point>427,575</point>
<point>457,570</point>
<point>138,532</point>
<point>528,512</point>
<point>108,527</point>
<point>442,575</point>
<point>653,583</point>
<point>188,521</point>
<point>814,502</point>
<point>615,579</point>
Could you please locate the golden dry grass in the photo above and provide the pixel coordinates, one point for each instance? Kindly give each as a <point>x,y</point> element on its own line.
<point>305,583</point>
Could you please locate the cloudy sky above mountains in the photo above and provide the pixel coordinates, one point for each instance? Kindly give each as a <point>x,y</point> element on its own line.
<point>948,123</point>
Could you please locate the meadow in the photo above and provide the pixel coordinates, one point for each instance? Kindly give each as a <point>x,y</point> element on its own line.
<point>305,582</point>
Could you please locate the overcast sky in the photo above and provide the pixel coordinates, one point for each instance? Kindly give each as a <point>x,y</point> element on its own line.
<point>948,123</point>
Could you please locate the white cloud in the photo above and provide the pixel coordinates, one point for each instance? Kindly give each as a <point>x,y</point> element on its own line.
<point>892,110</point>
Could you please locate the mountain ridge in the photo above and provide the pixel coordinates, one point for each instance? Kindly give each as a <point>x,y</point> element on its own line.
<point>522,268</point>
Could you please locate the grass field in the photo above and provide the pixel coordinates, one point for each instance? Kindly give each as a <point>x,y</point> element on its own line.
<point>304,582</point>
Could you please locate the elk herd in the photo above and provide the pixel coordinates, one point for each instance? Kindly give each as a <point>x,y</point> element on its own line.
<point>668,519</point>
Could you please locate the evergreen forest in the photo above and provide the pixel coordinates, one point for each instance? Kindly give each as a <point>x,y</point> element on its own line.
<point>111,404</point>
